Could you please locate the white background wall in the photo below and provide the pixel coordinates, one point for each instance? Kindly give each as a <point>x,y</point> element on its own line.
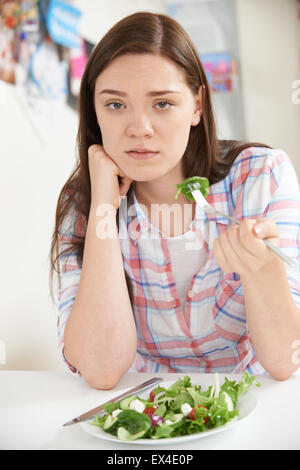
<point>31,178</point>
<point>269,42</point>
<point>32,174</point>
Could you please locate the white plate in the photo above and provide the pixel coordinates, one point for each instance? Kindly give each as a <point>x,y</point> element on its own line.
<point>246,406</point>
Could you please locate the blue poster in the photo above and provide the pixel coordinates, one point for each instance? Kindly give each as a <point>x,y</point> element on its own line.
<point>62,23</point>
<point>219,69</point>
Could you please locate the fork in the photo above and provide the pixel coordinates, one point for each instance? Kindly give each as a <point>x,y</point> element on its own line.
<point>202,202</point>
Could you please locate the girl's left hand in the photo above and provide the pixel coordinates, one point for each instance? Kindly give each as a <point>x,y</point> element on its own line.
<point>240,249</point>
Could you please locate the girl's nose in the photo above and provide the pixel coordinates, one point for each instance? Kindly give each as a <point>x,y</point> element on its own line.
<point>139,126</point>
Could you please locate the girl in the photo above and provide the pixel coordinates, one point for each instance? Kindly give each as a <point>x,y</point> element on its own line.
<point>189,293</point>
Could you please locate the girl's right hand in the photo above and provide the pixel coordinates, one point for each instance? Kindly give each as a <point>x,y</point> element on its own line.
<point>105,187</point>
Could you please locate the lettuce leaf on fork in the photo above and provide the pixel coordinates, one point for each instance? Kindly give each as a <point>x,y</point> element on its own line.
<point>191,184</point>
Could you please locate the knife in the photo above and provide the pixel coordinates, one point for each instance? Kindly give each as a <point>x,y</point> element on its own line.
<point>89,414</point>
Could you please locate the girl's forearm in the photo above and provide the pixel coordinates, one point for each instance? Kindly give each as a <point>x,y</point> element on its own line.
<point>273,318</point>
<point>100,334</point>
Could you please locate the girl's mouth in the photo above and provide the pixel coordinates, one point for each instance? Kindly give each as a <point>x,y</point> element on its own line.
<point>142,155</point>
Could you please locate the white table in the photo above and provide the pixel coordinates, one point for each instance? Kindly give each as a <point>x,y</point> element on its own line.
<point>35,404</point>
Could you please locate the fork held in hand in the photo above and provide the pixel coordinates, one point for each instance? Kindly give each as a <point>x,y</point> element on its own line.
<point>201,201</point>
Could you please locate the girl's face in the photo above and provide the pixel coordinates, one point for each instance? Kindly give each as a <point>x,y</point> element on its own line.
<point>149,105</point>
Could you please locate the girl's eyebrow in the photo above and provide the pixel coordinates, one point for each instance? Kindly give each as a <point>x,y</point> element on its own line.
<point>150,93</point>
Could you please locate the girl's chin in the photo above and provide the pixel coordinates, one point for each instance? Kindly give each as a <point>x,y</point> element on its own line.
<point>141,179</point>
<point>143,174</point>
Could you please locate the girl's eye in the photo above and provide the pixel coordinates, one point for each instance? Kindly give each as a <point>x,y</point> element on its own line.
<point>119,104</point>
<point>114,102</point>
<point>165,102</point>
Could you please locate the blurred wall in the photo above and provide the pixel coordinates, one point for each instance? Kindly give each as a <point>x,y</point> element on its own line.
<point>32,175</point>
<point>269,43</point>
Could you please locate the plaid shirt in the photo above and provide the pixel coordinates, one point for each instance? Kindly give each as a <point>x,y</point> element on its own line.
<point>210,334</point>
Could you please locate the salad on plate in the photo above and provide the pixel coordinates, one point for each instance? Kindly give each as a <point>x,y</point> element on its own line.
<point>179,410</point>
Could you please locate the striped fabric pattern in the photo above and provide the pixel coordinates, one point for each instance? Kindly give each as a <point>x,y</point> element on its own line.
<point>210,334</point>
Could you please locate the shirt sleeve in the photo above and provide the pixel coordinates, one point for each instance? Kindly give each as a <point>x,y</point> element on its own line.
<point>72,229</point>
<point>271,189</point>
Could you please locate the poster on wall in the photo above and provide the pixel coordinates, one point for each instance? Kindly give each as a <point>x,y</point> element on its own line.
<point>19,26</point>
<point>220,71</point>
<point>62,22</point>
<point>43,57</point>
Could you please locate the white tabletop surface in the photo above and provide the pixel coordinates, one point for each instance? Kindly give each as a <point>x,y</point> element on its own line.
<point>35,404</point>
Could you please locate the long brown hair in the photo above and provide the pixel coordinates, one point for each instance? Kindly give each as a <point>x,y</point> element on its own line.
<point>205,155</point>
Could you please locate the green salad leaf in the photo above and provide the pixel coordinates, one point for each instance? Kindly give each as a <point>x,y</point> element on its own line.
<point>246,383</point>
<point>191,184</point>
<point>179,410</point>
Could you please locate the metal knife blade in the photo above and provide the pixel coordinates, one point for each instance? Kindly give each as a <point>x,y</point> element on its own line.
<point>89,414</point>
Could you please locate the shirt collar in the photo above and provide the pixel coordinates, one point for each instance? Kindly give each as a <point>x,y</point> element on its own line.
<point>138,223</point>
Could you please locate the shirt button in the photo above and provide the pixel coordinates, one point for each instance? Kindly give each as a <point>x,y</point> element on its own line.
<point>191,294</point>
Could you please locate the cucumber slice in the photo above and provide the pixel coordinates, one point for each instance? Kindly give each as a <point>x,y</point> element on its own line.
<point>124,404</point>
<point>124,435</point>
<point>110,425</point>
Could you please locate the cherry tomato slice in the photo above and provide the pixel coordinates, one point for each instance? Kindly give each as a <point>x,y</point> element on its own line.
<point>149,410</point>
<point>152,395</point>
<point>192,414</point>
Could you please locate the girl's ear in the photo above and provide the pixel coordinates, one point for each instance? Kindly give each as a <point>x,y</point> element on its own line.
<point>196,119</point>
<point>198,107</point>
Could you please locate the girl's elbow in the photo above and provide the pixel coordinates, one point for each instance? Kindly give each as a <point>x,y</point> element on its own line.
<point>100,380</point>
<point>106,377</point>
<point>280,376</point>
